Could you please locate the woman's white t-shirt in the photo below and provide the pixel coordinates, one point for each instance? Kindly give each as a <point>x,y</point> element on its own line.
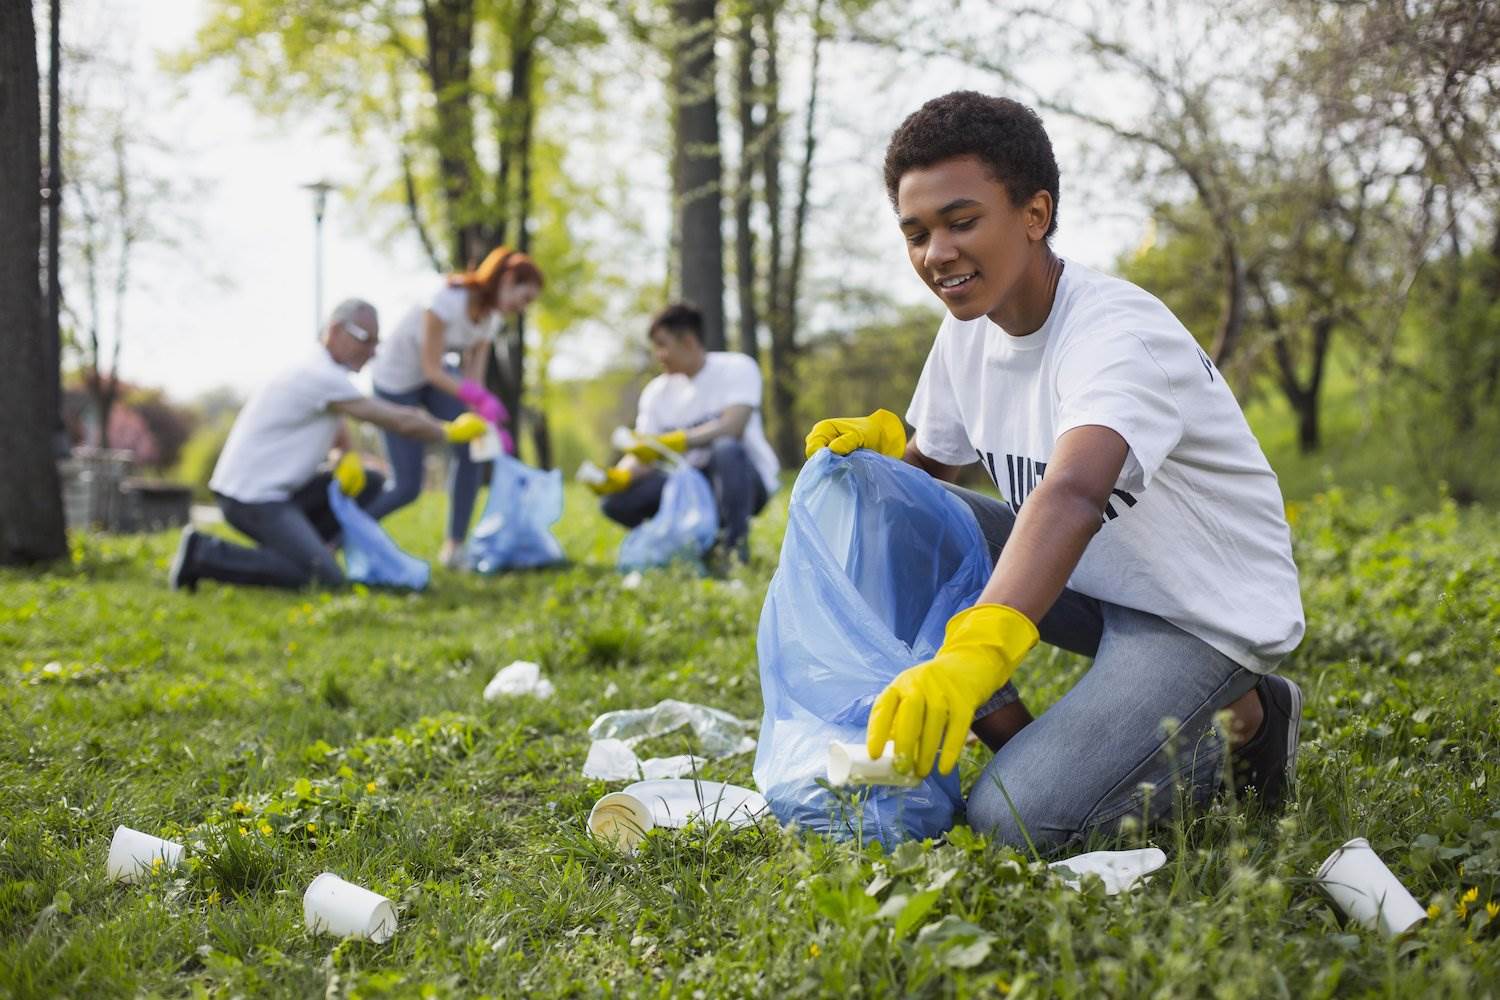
<point>398,363</point>
<point>682,402</point>
<point>1196,530</point>
<point>284,432</point>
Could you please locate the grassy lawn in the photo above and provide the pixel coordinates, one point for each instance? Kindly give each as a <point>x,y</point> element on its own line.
<point>282,735</point>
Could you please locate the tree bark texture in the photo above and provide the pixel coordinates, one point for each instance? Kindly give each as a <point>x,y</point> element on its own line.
<point>746,100</point>
<point>699,185</point>
<point>450,45</point>
<point>31,516</point>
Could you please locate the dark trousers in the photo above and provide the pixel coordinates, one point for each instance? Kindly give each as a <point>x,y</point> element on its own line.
<point>293,537</point>
<point>738,488</point>
<point>406,453</point>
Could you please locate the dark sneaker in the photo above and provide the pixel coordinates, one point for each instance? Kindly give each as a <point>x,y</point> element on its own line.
<point>1267,765</point>
<point>181,576</point>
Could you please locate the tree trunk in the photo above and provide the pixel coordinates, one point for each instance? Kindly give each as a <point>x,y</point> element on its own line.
<point>783,422</point>
<point>450,43</point>
<point>789,438</point>
<point>54,215</point>
<point>699,181</point>
<point>746,100</point>
<point>31,523</point>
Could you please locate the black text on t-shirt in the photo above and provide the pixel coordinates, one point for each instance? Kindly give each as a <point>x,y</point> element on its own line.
<point>1022,476</point>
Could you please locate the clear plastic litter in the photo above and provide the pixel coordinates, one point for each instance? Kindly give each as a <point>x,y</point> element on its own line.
<point>614,760</point>
<point>371,557</point>
<point>1119,870</point>
<point>515,531</point>
<point>719,733</point>
<point>520,678</point>
<point>877,557</point>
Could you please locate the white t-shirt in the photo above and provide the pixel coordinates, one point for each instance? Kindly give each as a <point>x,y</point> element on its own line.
<point>1196,531</point>
<point>283,434</point>
<point>682,402</point>
<point>398,362</point>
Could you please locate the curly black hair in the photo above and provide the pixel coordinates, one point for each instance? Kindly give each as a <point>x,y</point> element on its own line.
<point>1006,135</point>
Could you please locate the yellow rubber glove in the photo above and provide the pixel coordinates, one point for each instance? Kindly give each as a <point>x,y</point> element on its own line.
<point>649,449</point>
<point>615,480</point>
<point>933,703</point>
<point>465,428</point>
<point>350,473</point>
<point>881,431</point>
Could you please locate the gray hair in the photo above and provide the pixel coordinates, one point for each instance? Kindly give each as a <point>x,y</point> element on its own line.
<point>356,311</point>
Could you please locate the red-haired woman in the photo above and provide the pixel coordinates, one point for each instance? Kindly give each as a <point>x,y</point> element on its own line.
<point>462,318</point>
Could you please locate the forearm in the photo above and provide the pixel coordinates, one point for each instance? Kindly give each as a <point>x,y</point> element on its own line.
<point>1051,533</point>
<point>731,423</point>
<point>438,377</point>
<point>937,470</point>
<point>410,421</point>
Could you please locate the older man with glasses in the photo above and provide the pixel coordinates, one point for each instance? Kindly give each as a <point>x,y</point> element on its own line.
<point>271,480</point>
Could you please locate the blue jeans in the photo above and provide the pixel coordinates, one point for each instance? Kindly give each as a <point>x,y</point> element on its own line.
<point>1136,729</point>
<point>738,488</point>
<point>405,456</point>
<point>293,537</point>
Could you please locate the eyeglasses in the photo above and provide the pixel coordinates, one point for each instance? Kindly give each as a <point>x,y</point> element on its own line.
<point>358,332</point>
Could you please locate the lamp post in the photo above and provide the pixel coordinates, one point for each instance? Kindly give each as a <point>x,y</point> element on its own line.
<point>319,189</point>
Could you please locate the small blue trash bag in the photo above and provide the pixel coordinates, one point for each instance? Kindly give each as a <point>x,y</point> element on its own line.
<point>877,557</point>
<point>516,529</point>
<point>685,525</point>
<point>370,556</point>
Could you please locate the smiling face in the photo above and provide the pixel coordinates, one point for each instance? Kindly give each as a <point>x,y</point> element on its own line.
<point>972,246</point>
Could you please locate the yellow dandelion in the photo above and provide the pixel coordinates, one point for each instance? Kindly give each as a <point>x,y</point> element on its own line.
<point>1433,911</point>
<point>312,828</point>
<point>370,786</point>
<point>1463,911</point>
<point>265,829</point>
<point>1492,908</point>
<point>813,951</point>
<point>1472,896</point>
<point>155,865</point>
<point>213,897</point>
<point>239,807</point>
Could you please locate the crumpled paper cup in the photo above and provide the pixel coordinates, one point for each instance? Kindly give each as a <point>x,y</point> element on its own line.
<point>851,764</point>
<point>133,855</point>
<point>620,820</point>
<point>1119,870</point>
<point>343,909</point>
<point>486,447</point>
<point>1366,891</point>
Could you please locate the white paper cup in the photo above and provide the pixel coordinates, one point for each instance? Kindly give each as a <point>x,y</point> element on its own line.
<point>344,909</point>
<point>621,820</point>
<point>590,474</point>
<point>133,854</point>
<point>486,447</point>
<point>1364,888</point>
<point>851,764</point>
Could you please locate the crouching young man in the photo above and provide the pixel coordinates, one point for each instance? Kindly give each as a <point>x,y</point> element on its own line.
<point>1140,524</point>
<point>705,404</point>
<point>267,480</point>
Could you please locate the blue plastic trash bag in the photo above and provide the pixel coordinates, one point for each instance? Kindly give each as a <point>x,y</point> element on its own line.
<point>516,529</point>
<point>877,557</point>
<point>685,525</point>
<point>370,556</point>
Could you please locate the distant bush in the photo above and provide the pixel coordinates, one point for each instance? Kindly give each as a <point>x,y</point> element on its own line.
<point>201,453</point>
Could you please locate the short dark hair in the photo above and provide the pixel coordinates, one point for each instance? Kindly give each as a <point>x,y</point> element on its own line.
<point>678,319</point>
<point>1005,135</point>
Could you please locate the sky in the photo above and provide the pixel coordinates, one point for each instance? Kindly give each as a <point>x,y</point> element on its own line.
<point>234,301</point>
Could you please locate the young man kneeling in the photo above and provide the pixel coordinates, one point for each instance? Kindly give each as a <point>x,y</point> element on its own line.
<point>1141,524</point>
<point>705,404</point>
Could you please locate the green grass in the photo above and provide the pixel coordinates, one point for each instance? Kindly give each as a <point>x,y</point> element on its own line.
<point>282,735</point>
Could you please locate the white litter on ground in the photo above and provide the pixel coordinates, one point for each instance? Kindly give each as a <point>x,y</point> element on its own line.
<point>616,734</point>
<point>1119,870</point>
<point>520,678</point>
